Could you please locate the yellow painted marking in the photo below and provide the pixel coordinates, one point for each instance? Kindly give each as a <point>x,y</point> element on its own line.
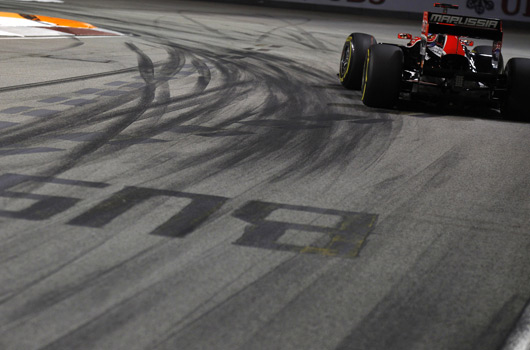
<point>321,251</point>
<point>339,238</point>
<point>373,222</point>
<point>346,223</point>
<point>354,253</point>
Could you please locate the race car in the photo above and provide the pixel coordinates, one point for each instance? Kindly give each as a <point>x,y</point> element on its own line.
<point>439,65</point>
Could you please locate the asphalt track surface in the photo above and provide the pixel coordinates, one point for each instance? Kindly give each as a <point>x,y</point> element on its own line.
<point>204,182</point>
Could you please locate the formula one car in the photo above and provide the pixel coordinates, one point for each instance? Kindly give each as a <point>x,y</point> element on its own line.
<point>439,65</point>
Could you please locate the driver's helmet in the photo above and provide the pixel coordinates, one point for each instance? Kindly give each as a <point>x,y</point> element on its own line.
<point>436,39</point>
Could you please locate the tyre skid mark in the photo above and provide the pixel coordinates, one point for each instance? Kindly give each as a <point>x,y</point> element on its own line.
<point>67,80</point>
<point>67,119</point>
<point>271,107</point>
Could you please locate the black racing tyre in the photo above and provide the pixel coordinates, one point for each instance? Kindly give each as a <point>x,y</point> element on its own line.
<point>382,75</point>
<point>352,59</point>
<point>482,57</point>
<point>517,100</point>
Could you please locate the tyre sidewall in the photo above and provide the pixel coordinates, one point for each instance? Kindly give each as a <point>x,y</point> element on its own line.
<point>517,101</point>
<point>358,44</point>
<point>382,76</point>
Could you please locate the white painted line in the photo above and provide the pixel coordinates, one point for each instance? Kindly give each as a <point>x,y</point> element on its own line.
<point>33,32</point>
<point>109,31</point>
<point>519,339</point>
<point>55,1</point>
<point>21,22</point>
<point>10,34</point>
<point>53,37</point>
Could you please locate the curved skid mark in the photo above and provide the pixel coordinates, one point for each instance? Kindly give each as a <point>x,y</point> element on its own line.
<point>204,75</point>
<point>67,80</point>
<point>305,38</point>
<point>67,120</point>
<point>285,97</point>
<point>206,28</point>
<point>145,65</point>
<point>315,153</point>
<point>287,25</point>
<point>174,65</point>
<point>146,68</point>
<point>82,151</point>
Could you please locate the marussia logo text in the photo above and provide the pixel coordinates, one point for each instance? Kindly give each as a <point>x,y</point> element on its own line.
<point>466,21</point>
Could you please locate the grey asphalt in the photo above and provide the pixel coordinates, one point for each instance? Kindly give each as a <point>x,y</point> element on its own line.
<point>204,182</point>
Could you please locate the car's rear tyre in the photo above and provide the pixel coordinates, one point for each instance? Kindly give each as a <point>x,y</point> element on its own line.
<point>517,100</point>
<point>482,57</point>
<point>352,59</point>
<point>382,75</point>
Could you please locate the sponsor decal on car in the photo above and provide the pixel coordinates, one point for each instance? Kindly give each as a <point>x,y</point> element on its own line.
<point>464,21</point>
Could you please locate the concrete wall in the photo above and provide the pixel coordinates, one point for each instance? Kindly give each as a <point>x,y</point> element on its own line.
<point>513,10</point>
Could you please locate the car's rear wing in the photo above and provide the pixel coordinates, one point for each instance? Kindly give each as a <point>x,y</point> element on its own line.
<point>462,26</point>
<point>480,28</point>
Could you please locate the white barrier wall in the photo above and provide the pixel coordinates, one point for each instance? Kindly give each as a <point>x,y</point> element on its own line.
<point>514,10</point>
